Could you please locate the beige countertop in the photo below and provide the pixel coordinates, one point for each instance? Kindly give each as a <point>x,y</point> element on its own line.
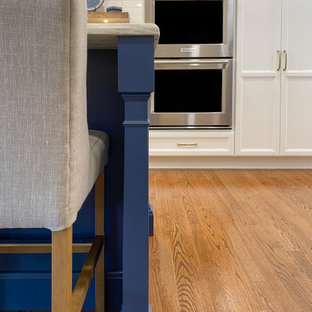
<point>104,36</point>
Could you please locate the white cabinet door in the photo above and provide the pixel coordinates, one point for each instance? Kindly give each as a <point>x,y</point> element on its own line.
<point>258,81</point>
<point>296,108</point>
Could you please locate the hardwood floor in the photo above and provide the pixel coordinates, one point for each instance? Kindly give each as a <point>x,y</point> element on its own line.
<point>231,240</point>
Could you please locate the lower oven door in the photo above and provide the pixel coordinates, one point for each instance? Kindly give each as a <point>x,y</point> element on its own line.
<point>192,93</point>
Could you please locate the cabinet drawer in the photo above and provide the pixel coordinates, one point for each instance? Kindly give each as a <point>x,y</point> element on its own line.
<point>191,143</point>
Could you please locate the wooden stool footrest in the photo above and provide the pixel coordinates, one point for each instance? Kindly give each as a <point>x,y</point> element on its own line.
<point>39,248</point>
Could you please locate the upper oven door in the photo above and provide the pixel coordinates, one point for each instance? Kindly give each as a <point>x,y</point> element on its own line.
<point>194,28</point>
<point>192,93</point>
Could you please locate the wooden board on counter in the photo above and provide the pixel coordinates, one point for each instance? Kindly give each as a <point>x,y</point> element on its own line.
<point>108,17</point>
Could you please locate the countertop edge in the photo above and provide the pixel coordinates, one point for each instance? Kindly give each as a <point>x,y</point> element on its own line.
<point>104,36</point>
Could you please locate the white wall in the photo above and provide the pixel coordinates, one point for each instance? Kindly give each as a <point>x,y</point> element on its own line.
<point>134,7</point>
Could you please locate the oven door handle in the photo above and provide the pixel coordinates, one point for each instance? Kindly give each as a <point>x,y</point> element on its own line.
<point>191,64</point>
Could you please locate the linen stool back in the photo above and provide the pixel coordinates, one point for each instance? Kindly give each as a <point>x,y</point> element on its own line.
<point>44,140</point>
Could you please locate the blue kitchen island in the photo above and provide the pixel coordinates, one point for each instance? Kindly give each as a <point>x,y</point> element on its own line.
<point>120,80</point>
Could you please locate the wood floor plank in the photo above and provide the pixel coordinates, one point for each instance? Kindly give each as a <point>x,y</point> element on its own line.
<point>231,240</point>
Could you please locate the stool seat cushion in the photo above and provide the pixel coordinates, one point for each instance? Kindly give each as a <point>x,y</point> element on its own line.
<point>99,143</point>
<point>28,217</point>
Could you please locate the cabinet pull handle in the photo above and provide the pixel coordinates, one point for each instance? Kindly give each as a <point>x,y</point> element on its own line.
<point>279,60</point>
<point>187,144</point>
<point>286,60</point>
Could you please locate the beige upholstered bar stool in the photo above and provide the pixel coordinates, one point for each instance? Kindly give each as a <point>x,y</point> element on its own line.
<point>49,161</point>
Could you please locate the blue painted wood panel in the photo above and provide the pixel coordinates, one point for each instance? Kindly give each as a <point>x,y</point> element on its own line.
<point>106,112</point>
<point>136,82</point>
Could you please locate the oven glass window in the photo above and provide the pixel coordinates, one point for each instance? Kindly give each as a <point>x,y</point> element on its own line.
<point>188,91</point>
<point>189,22</point>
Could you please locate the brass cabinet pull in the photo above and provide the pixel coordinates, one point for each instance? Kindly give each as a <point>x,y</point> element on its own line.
<point>187,144</point>
<point>286,60</point>
<point>279,60</point>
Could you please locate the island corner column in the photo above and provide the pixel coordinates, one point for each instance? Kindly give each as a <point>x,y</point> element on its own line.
<point>135,83</point>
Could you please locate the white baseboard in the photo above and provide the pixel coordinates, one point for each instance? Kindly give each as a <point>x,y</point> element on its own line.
<point>219,162</point>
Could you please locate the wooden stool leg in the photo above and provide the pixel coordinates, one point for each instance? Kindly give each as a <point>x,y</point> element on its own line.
<point>62,270</point>
<point>99,230</point>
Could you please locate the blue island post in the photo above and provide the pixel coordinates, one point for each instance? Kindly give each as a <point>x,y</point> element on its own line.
<point>120,81</point>
<point>135,83</point>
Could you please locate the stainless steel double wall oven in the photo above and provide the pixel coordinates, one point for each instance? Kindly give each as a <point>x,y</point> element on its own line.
<point>193,63</point>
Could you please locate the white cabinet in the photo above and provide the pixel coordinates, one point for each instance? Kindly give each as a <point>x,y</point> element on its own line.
<point>191,143</point>
<point>296,87</point>
<point>274,78</point>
